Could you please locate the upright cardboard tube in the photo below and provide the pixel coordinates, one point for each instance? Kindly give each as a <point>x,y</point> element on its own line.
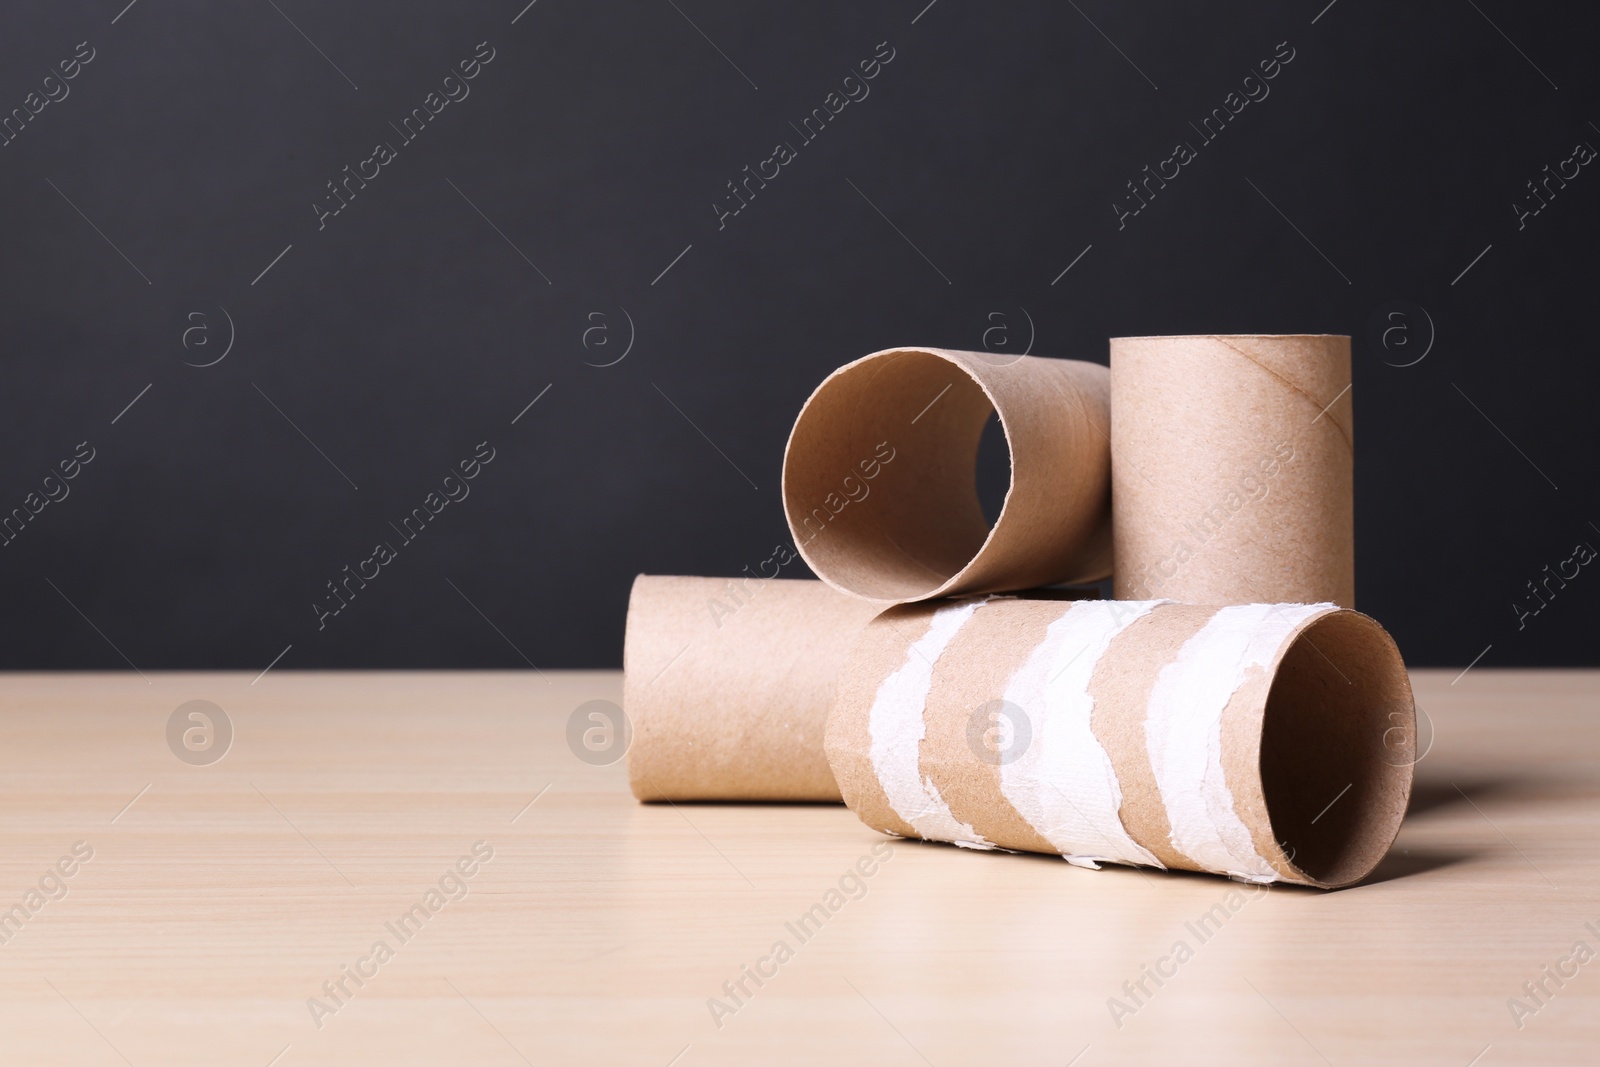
<point>879,476</point>
<point>1231,469</point>
<point>727,683</point>
<point>1268,742</point>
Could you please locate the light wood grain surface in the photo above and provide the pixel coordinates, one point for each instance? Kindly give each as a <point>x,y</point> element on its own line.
<point>219,901</point>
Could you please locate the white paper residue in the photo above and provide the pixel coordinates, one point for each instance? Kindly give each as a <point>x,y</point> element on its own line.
<point>896,729</point>
<point>1183,730</point>
<point>1063,782</point>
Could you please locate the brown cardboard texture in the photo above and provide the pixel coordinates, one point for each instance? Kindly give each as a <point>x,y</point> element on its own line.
<point>727,683</point>
<point>1231,469</point>
<point>879,475</point>
<point>1268,742</point>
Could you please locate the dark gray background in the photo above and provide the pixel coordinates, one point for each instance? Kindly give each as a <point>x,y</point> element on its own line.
<point>412,327</point>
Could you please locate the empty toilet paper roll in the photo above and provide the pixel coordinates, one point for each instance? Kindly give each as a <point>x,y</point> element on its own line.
<point>879,475</point>
<point>727,683</point>
<point>1231,469</point>
<point>1270,742</point>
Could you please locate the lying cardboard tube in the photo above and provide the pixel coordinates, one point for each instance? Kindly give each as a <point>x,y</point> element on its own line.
<point>1231,469</point>
<point>727,684</point>
<point>879,475</point>
<point>1267,742</point>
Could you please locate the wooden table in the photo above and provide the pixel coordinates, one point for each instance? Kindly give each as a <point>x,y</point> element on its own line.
<point>219,898</point>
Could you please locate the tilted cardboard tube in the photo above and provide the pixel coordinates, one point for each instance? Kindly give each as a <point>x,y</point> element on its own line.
<point>1270,742</point>
<point>879,486</point>
<point>727,683</point>
<point>1231,469</point>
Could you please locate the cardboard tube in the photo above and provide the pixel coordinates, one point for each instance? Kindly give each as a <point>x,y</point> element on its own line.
<point>727,683</point>
<point>1231,469</point>
<point>1268,742</point>
<point>879,476</point>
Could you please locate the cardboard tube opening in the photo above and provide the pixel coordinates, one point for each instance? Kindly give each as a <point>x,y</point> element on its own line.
<point>1337,749</point>
<point>993,476</point>
<point>880,475</point>
<point>918,522</point>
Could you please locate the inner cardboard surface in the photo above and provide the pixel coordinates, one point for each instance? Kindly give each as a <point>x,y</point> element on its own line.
<point>879,481</point>
<point>919,522</point>
<point>1337,748</point>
